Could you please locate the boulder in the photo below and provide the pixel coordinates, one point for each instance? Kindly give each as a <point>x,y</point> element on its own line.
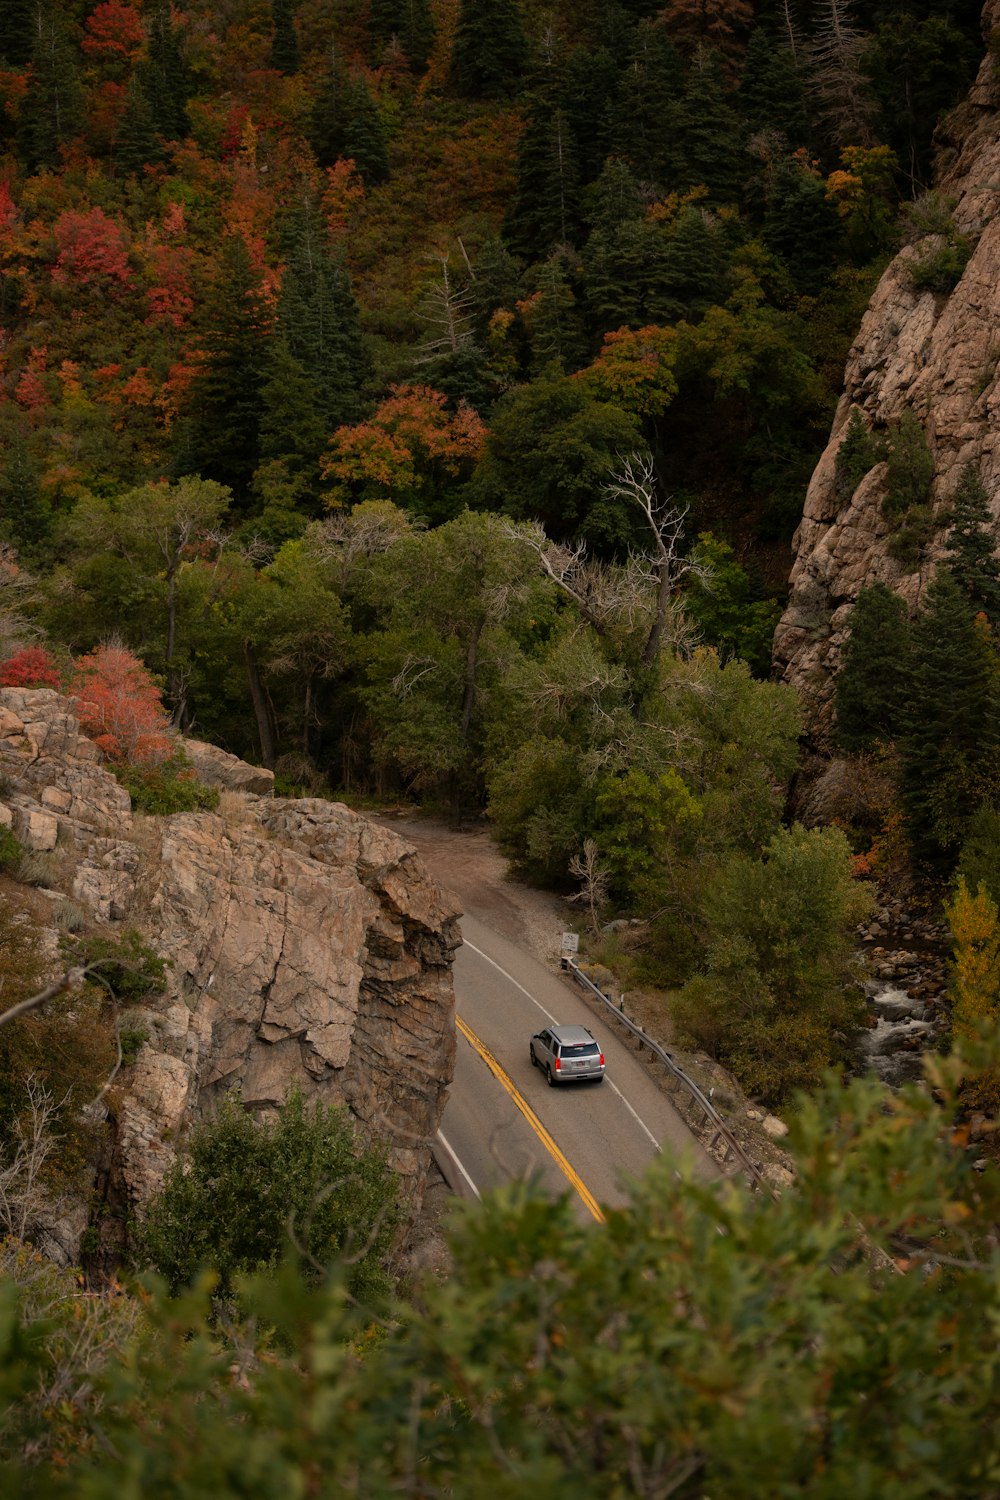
<point>217,767</point>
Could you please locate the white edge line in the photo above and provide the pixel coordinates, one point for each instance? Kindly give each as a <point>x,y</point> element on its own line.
<point>552,1020</point>
<point>458,1163</point>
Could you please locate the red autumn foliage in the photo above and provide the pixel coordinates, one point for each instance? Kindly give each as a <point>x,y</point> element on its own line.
<point>170,300</point>
<point>119,707</point>
<point>113,31</point>
<point>92,250</point>
<point>31,392</point>
<point>30,667</point>
<point>8,208</point>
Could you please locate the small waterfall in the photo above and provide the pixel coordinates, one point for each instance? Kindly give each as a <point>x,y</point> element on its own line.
<point>894,1047</point>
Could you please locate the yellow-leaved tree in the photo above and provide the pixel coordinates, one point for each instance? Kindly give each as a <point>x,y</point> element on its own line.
<point>975,980</point>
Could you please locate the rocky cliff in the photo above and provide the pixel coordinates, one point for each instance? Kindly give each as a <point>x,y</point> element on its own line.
<point>933,354</point>
<point>306,946</point>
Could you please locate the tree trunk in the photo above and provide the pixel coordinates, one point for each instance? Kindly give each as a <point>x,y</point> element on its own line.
<point>260,707</point>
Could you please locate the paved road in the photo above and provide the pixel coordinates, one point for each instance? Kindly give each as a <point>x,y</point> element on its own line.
<point>502,1119</point>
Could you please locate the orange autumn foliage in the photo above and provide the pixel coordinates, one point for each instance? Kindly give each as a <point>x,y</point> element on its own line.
<point>118,705</point>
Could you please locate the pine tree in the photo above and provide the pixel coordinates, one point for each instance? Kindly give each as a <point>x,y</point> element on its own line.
<point>553,320</point>
<point>771,93</point>
<point>644,115</point>
<point>873,682</point>
<point>328,119</point>
<point>318,317</point>
<point>489,52</point>
<point>285,43</point>
<point>25,518</point>
<point>858,453</point>
<point>587,92</point>
<point>496,284</point>
<point>227,398</point>
<point>691,271</point>
<point>952,724</point>
<point>544,209</point>
<point>707,128</point>
<point>365,140</point>
<point>971,546</point>
<point>17,19</point>
<point>345,123</point>
<point>136,142</point>
<point>292,428</point>
<point>52,111</point>
<point>801,226</point>
<point>409,22</point>
<point>164,75</point>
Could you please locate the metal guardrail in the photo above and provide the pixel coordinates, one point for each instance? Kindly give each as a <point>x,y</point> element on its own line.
<point>722,1134</point>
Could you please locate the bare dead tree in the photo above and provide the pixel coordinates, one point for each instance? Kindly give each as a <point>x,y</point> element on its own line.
<point>593,890</point>
<point>22,1195</point>
<point>635,483</point>
<point>603,594</point>
<point>448,311</point>
<point>835,63</point>
<point>346,537</point>
<point>790,30</point>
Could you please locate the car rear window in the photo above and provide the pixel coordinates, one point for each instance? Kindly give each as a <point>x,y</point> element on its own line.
<point>579,1049</point>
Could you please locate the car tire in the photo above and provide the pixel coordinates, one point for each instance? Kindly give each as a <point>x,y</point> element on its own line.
<point>550,1079</point>
<point>534,1059</point>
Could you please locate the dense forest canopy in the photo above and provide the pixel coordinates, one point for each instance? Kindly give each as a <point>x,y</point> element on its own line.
<point>434,255</point>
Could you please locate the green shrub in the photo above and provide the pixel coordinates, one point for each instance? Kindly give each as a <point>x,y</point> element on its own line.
<point>131,1036</point>
<point>940,269</point>
<point>778,999</point>
<point>127,966</point>
<point>170,787</point>
<point>908,543</point>
<point>911,467</point>
<point>250,1193</point>
<point>858,453</point>
<point>979,861</point>
<point>10,851</point>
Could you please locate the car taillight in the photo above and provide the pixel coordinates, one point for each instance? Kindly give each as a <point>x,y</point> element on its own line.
<point>602,1059</point>
<point>558,1063</point>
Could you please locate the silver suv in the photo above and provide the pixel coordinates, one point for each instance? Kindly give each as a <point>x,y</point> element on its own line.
<point>566,1054</point>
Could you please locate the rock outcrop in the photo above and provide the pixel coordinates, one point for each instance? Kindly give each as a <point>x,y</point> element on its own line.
<point>933,354</point>
<point>306,946</point>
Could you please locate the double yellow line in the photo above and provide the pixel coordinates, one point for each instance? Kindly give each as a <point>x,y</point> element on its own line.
<point>529,1114</point>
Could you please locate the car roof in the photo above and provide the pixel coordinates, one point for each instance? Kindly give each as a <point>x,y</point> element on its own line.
<point>571,1033</point>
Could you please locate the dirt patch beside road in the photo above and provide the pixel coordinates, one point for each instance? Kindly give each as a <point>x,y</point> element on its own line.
<point>467,865</point>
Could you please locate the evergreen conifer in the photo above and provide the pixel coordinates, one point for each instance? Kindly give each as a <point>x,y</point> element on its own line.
<point>952,724</point>
<point>873,683</point>
<point>801,225</point>
<point>17,31</point>
<point>489,52</point>
<point>227,398</point>
<point>408,21</point>
<point>365,140</point>
<point>771,94</point>
<point>544,209</point>
<point>51,113</point>
<point>707,128</point>
<point>164,74</point>
<point>285,43</point>
<point>971,546</point>
<point>136,142</point>
<point>25,518</point>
